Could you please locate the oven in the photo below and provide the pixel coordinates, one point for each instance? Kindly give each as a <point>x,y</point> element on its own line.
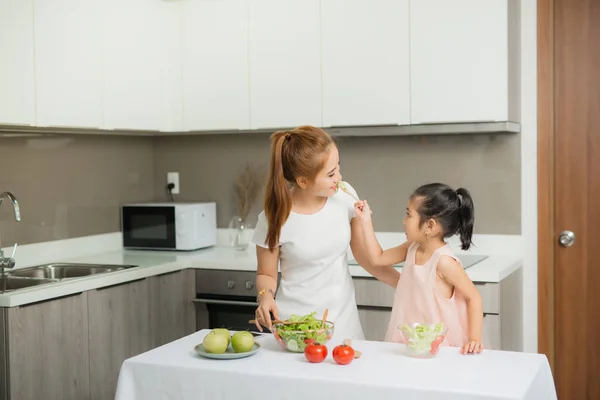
<point>225,299</point>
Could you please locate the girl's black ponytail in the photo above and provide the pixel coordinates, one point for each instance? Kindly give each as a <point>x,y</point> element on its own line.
<point>466,213</point>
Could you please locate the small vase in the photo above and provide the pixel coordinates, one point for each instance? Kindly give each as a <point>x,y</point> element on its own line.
<point>239,236</point>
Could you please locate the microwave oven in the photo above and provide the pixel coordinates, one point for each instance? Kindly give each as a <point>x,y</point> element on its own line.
<point>169,226</point>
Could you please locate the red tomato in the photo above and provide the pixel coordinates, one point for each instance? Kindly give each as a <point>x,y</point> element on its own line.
<point>343,354</point>
<point>315,352</point>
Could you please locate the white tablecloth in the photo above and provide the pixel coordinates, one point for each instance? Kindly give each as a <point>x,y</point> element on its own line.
<point>174,371</point>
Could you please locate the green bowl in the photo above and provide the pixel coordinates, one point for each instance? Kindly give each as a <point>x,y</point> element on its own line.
<point>296,340</point>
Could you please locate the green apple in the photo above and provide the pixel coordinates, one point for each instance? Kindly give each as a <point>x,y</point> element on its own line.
<point>224,332</point>
<point>214,343</point>
<point>242,342</point>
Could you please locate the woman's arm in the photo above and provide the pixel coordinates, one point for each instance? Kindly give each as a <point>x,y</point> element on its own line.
<point>386,274</point>
<point>452,272</point>
<point>266,285</point>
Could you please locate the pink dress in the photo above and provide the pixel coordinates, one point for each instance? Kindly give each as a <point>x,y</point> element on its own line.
<point>417,300</point>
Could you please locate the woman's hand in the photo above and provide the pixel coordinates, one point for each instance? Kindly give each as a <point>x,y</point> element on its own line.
<point>266,306</point>
<point>362,210</point>
<point>472,346</point>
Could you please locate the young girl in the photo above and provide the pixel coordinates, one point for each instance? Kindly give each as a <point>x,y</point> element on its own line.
<point>306,228</point>
<point>433,286</point>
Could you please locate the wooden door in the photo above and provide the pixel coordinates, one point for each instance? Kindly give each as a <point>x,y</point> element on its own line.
<point>569,193</point>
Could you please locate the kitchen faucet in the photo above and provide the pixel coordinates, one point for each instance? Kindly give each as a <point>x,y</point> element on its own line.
<point>9,262</point>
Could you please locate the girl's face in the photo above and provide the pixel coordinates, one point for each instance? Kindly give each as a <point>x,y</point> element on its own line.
<point>415,232</point>
<point>326,181</point>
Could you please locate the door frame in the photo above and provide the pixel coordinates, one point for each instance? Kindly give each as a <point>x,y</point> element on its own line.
<point>545,175</point>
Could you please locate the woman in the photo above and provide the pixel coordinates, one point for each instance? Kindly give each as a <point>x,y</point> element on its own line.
<point>307,227</point>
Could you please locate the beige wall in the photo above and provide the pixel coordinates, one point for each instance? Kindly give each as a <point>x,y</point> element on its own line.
<point>70,186</point>
<point>383,170</point>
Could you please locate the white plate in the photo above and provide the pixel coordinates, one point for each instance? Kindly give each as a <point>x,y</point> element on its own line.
<point>229,353</point>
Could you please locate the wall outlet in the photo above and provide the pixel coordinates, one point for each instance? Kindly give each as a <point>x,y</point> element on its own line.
<point>173,177</point>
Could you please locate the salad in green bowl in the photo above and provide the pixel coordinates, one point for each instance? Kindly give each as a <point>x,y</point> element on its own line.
<point>298,331</point>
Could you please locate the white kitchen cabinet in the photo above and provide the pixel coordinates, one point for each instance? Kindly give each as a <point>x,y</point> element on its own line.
<point>460,61</point>
<point>141,49</point>
<point>68,63</point>
<point>365,55</point>
<point>17,87</point>
<point>215,65</point>
<point>285,63</point>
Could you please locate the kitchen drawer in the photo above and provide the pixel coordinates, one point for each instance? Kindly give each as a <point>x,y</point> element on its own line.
<point>491,329</point>
<point>490,297</point>
<point>371,292</point>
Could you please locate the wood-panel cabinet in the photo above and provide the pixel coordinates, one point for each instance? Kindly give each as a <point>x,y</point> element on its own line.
<point>73,347</point>
<point>172,313</point>
<point>47,356</point>
<point>119,328</point>
<point>374,322</point>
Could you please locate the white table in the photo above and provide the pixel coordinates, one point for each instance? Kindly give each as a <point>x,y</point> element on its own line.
<point>174,372</point>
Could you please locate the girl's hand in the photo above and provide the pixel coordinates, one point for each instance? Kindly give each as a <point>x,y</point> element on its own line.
<point>362,210</point>
<point>266,306</point>
<point>473,346</point>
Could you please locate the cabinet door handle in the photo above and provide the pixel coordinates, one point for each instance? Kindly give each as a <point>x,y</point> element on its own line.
<point>51,299</point>
<point>119,284</point>
<point>226,302</point>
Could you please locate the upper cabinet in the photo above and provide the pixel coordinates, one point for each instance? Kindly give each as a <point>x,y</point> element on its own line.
<point>17,89</point>
<point>68,63</point>
<point>141,49</point>
<point>365,55</point>
<point>226,65</point>
<point>285,63</point>
<point>216,92</point>
<point>461,63</point>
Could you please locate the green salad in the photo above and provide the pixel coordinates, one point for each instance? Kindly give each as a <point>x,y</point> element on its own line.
<point>421,336</point>
<point>305,327</point>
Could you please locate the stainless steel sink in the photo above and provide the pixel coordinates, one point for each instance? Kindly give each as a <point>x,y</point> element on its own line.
<point>66,270</point>
<point>9,283</point>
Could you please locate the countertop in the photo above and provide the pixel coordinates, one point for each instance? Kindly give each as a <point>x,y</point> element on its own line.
<point>493,269</point>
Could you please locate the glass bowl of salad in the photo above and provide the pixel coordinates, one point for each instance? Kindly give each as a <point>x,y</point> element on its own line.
<point>305,329</point>
<point>423,340</point>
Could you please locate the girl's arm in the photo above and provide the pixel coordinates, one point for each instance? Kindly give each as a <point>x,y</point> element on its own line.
<point>386,274</point>
<point>376,256</point>
<point>453,272</point>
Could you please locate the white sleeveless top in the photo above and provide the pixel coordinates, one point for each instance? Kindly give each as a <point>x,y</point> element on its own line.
<point>314,265</point>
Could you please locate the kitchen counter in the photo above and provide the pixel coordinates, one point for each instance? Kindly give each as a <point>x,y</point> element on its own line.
<point>150,263</point>
<point>175,371</point>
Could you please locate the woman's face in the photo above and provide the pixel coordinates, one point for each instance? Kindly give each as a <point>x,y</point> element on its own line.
<point>327,179</point>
